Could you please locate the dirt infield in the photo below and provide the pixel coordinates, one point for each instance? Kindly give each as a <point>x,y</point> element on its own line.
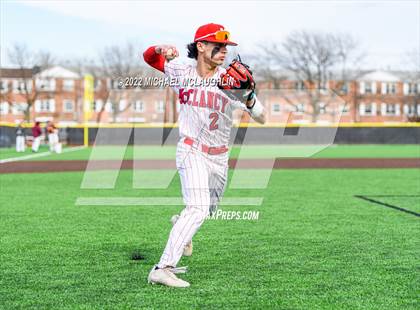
<point>304,163</point>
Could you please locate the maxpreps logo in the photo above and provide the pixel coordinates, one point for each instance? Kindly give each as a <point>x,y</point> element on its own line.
<point>234,215</point>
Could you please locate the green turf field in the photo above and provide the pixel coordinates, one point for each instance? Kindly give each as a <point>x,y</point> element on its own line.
<point>253,151</point>
<point>11,152</point>
<point>314,245</point>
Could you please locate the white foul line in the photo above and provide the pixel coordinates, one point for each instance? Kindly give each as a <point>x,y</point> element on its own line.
<point>13,159</point>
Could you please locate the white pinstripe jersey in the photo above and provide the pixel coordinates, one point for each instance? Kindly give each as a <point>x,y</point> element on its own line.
<point>205,112</point>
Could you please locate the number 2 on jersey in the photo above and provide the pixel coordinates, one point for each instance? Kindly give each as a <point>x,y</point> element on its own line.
<point>214,118</point>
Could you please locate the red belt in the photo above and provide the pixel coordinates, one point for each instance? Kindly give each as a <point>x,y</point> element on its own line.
<point>211,150</point>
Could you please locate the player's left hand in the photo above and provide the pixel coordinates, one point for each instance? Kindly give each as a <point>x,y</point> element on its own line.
<point>238,82</point>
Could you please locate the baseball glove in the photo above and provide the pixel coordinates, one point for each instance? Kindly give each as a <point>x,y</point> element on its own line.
<point>238,83</point>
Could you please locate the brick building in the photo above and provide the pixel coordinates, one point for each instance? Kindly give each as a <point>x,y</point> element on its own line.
<point>57,94</point>
<point>53,94</point>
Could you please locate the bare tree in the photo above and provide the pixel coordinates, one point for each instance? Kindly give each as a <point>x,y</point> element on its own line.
<point>80,65</point>
<point>412,63</point>
<point>117,62</point>
<point>28,64</point>
<point>265,68</point>
<point>45,59</point>
<point>313,60</point>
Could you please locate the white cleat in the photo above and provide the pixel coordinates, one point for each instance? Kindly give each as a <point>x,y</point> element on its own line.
<point>188,247</point>
<point>166,277</point>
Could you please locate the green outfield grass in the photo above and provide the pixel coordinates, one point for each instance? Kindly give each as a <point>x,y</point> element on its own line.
<point>11,152</point>
<point>252,151</point>
<point>314,245</point>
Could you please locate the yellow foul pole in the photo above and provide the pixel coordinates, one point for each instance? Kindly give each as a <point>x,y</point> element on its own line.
<point>87,106</point>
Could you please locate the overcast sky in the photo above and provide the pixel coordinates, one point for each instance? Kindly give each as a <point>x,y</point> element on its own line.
<point>385,29</point>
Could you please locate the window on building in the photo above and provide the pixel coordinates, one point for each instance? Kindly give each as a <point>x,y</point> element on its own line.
<point>68,85</point>
<point>138,106</point>
<point>19,86</point>
<point>413,88</point>
<point>15,86</point>
<point>160,106</point>
<point>345,108</point>
<point>24,86</point>
<point>117,84</point>
<point>123,105</point>
<point>344,89</point>
<point>68,105</point>
<point>368,88</point>
<point>110,107</point>
<point>368,109</point>
<point>45,106</point>
<point>300,108</point>
<point>97,84</point>
<point>113,83</point>
<point>275,107</point>
<point>97,105</point>
<point>4,108</point>
<point>4,86</point>
<point>322,108</point>
<point>46,84</point>
<point>409,109</point>
<point>299,85</point>
<point>391,88</point>
<point>390,109</point>
<point>19,108</point>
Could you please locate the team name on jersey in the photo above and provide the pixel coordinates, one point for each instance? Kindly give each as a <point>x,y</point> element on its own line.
<point>203,98</point>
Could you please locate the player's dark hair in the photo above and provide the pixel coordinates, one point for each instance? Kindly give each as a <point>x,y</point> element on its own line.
<point>192,50</point>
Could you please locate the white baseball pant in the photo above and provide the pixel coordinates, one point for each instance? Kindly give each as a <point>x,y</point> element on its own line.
<point>20,144</point>
<point>203,181</point>
<point>52,141</point>
<point>35,144</point>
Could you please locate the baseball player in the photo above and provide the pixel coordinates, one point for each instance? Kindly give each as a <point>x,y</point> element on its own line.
<point>205,121</point>
<point>52,133</point>
<point>36,133</point>
<point>20,138</point>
